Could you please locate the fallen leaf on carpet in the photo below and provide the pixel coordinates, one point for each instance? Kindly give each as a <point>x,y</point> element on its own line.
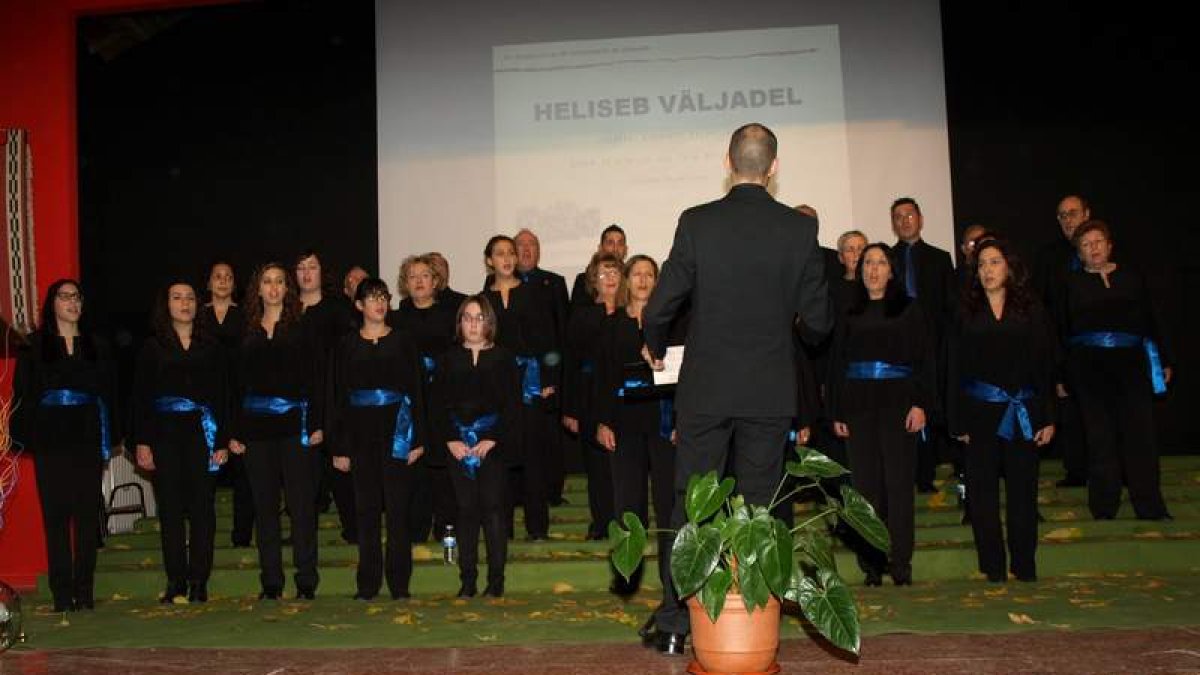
<point>422,552</point>
<point>372,611</point>
<point>486,638</point>
<point>179,600</point>
<point>927,598</point>
<point>996,592</point>
<point>937,500</point>
<point>1063,515</point>
<point>1063,534</point>
<point>459,602</point>
<point>1148,535</point>
<point>1023,619</point>
<point>403,619</point>
<point>119,597</point>
<point>561,587</point>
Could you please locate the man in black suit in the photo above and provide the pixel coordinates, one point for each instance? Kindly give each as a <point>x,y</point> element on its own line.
<point>612,240</point>
<point>927,275</point>
<point>1053,263</point>
<point>750,267</point>
<point>529,254</point>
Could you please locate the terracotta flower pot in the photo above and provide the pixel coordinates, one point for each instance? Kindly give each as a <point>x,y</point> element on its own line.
<point>739,641</point>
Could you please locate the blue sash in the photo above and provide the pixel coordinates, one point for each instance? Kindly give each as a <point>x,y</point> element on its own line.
<point>1016,412</point>
<point>208,423</point>
<point>666,417</point>
<point>430,365</point>
<point>277,405</point>
<point>470,435</point>
<point>1111,340</point>
<point>74,397</point>
<point>876,370</point>
<point>402,435</point>
<point>531,378</point>
<point>632,384</point>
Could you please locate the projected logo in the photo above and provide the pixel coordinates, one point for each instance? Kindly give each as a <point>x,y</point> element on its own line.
<point>633,130</point>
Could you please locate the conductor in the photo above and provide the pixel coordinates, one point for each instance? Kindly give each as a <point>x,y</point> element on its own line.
<point>752,269</point>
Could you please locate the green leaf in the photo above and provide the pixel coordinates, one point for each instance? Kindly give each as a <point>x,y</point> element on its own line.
<point>860,515</point>
<point>694,556</point>
<point>705,496</point>
<point>713,592</point>
<point>817,546</point>
<point>814,464</point>
<point>829,606</point>
<point>794,585</point>
<point>629,545</point>
<point>775,559</point>
<point>753,587</point>
<point>750,539</point>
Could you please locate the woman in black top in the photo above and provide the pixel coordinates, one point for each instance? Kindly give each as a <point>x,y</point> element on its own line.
<point>634,428</point>
<point>430,323</point>
<point>1112,329</point>
<point>279,414</point>
<point>224,319</point>
<point>180,399</point>
<point>1000,398</point>
<point>881,385</point>
<point>476,405</point>
<point>377,432</point>
<point>66,388</point>
<point>585,328</point>
<point>526,327</point>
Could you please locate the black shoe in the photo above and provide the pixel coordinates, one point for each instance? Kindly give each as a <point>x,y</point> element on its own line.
<point>61,606</point>
<point>270,594</point>
<point>926,488</point>
<point>401,595</point>
<point>1071,482</point>
<point>1164,517</point>
<point>468,590</point>
<point>198,592</point>
<point>558,501</point>
<point>873,579</point>
<point>1027,578</point>
<point>494,589</point>
<point>537,537</point>
<point>647,632</point>
<point>902,577</point>
<point>306,593</point>
<point>173,591</point>
<point>350,537</point>
<point>997,578</point>
<point>619,586</point>
<point>240,543</point>
<point>84,604</point>
<point>672,644</point>
<point>366,597</point>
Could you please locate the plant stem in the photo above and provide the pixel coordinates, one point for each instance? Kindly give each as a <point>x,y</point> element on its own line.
<point>822,514</point>
<point>793,493</point>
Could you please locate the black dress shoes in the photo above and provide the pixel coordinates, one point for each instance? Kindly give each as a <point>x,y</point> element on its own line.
<point>82,604</point>
<point>173,591</point>
<point>494,589</point>
<point>270,594</point>
<point>306,593</point>
<point>873,579</point>
<point>468,590</point>
<point>198,592</point>
<point>401,595</point>
<point>672,644</point>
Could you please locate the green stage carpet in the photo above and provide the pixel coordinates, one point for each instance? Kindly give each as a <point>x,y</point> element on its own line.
<point>1111,574</point>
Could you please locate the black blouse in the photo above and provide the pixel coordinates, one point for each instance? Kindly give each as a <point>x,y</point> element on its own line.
<point>872,336</point>
<point>53,429</point>
<point>585,329</point>
<point>527,327</point>
<point>391,362</point>
<point>431,328</point>
<point>1014,352</point>
<point>290,365</point>
<point>1124,306</point>
<point>466,391</point>
<point>199,373</point>
<point>228,332</point>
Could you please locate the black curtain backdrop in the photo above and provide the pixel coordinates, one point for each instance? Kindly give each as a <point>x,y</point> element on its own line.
<point>248,132</point>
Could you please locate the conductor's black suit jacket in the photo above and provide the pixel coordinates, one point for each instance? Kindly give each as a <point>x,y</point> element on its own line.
<point>750,266</point>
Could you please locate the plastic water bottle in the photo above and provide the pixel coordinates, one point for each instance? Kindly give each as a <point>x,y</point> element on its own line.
<point>449,546</point>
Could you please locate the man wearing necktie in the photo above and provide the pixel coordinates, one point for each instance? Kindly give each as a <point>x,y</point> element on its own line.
<point>929,279</point>
<point>1055,262</point>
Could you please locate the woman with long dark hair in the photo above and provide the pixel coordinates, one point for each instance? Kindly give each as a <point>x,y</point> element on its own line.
<point>1000,398</point>
<point>180,400</point>
<point>1118,358</point>
<point>66,386</point>
<point>223,318</point>
<point>377,432</point>
<point>476,405</point>
<point>278,425</point>
<point>882,386</point>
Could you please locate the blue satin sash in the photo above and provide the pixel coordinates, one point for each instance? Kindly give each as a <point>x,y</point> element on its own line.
<point>470,434</point>
<point>1112,339</point>
<point>74,397</point>
<point>277,405</point>
<point>208,422</point>
<point>430,365</point>
<point>666,417</point>
<point>876,370</point>
<point>531,378</point>
<point>402,434</point>
<point>1015,414</point>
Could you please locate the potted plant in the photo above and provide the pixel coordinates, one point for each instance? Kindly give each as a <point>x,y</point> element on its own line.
<point>731,557</point>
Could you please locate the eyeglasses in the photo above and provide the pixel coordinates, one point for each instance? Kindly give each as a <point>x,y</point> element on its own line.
<point>608,274</point>
<point>474,318</point>
<point>69,296</point>
<point>379,297</point>
<point>1070,213</point>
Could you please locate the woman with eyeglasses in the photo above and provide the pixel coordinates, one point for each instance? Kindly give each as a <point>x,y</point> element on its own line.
<point>603,279</point>
<point>476,406</point>
<point>181,431</point>
<point>1000,405</point>
<point>525,325</point>
<point>429,320</point>
<point>66,388</point>
<point>1118,358</point>
<point>377,433</point>
<point>278,418</point>
<point>882,385</point>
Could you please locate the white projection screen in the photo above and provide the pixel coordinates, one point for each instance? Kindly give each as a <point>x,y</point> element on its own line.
<point>566,118</point>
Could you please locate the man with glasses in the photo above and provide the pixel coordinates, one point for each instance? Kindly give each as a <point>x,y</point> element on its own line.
<point>1054,263</point>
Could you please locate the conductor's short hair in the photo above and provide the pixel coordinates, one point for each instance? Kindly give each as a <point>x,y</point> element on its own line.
<point>752,150</point>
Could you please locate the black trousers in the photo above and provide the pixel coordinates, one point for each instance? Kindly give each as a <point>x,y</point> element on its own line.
<point>341,486</point>
<point>382,485</point>
<point>598,469</point>
<point>988,459</point>
<point>537,434</point>
<point>243,501</point>
<point>184,490</point>
<point>68,481</point>
<point>482,502</point>
<point>283,464</point>
<point>643,458</point>
<point>883,455</point>
<point>1118,413</point>
<point>705,443</point>
<point>555,462</point>
<point>420,506</point>
<point>1070,439</point>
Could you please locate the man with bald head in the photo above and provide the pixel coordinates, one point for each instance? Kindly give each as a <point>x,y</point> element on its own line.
<point>751,269</point>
